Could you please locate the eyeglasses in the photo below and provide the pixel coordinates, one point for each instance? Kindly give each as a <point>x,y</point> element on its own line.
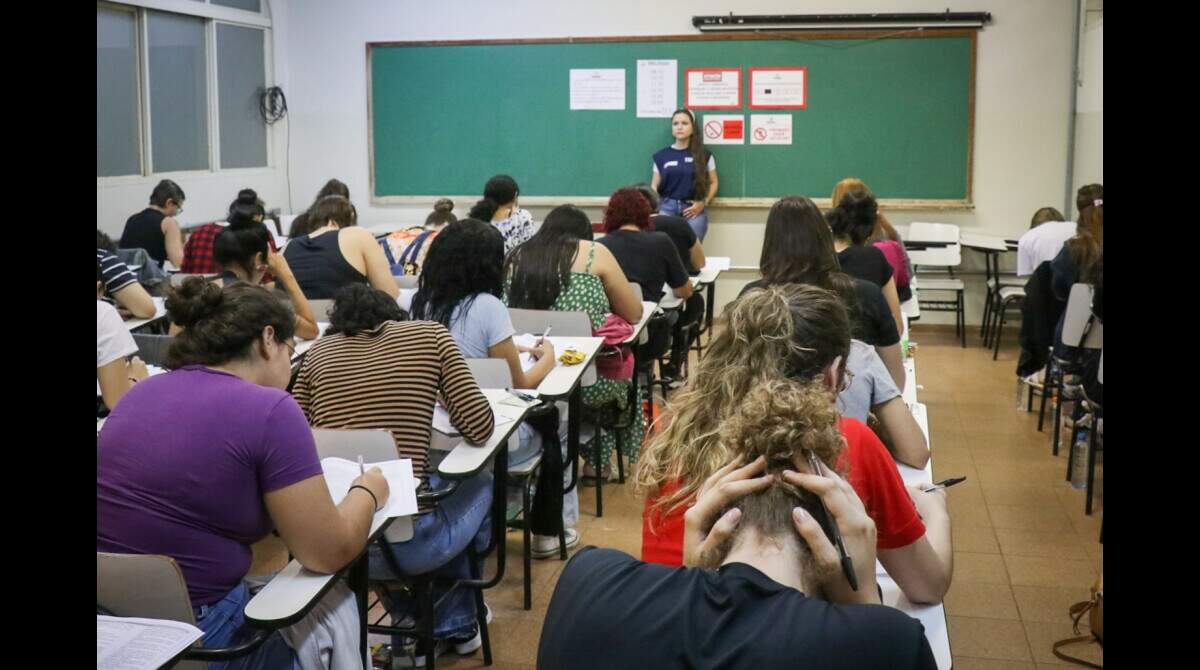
<point>291,348</point>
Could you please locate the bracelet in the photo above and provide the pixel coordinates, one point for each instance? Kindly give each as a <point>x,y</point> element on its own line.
<point>373,498</point>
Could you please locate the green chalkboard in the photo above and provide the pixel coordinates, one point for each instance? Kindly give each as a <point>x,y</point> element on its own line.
<point>895,111</point>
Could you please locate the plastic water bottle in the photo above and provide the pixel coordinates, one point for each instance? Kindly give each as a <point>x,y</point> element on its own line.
<point>1079,455</point>
<point>1020,393</point>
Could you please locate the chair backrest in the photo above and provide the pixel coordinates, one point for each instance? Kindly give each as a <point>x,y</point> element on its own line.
<point>932,232</point>
<point>566,324</point>
<point>637,289</point>
<point>152,348</point>
<point>373,445</point>
<point>491,373</point>
<point>1079,310</point>
<point>142,585</point>
<point>321,308</point>
<point>406,281</point>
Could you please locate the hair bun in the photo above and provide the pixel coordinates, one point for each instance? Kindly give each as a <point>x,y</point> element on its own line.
<point>444,205</point>
<point>193,301</point>
<point>247,196</point>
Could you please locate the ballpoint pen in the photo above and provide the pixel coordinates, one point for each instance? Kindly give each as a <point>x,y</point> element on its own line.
<point>847,564</point>
<point>361,470</point>
<point>945,483</point>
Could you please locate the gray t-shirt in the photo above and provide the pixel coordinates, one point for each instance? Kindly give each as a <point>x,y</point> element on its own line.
<point>485,324</point>
<point>872,383</point>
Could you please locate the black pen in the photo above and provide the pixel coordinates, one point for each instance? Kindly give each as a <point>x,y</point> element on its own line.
<point>945,483</point>
<point>847,564</point>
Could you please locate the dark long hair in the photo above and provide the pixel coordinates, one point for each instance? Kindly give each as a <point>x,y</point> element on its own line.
<point>798,249</point>
<point>499,190</point>
<point>304,223</point>
<point>464,260</point>
<point>1087,247</point>
<point>699,156</point>
<point>238,246</point>
<point>854,217</point>
<point>539,269</point>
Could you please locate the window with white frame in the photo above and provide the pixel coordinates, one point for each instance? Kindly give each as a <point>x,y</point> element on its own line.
<point>179,85</point>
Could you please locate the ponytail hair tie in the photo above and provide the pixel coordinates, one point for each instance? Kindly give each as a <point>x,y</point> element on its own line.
<point>1097,202</point>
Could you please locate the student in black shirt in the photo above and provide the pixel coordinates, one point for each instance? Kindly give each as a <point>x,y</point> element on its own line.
<point>648,258</point>
<point>155,228</point>
<point>852,222</point>
<point>767,591</point>
<point>798,249</point>
<point>691,252</point>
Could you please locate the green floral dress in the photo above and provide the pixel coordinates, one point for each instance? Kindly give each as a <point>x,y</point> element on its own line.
<point>607,401</point>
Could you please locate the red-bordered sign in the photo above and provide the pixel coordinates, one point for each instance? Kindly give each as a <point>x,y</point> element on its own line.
<point>758,104</point>
<point>713,74</point>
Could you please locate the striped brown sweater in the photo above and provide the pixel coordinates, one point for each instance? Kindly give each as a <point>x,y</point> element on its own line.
<point>389,378</point>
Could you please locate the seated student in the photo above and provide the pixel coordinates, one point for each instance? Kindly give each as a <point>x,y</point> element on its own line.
<point>203,461</point>
<point>798,249</point>
<point>766,588</point>
<point>499,207</point>
<point>884,237</point>
<point>303,224</point>
<point>1045,239</point>
<point>647,257</point>
<point>691,251</point>
<point>852,221</point>
<point>1079,261</point>
<point>337,252</point>
<point>155,228</point>
<point>873,399</point>
<point>376,369</point>
<point>406,249</point>
<point>114,374</point>
<point>245,256</point>
<point>789,331</point>
<point>120,284</point>
<point>245,212</point>
<point>561,268</point>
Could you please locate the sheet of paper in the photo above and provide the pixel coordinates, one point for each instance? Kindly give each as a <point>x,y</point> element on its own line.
<point>402,497</point>
<point>127,643</point>
<point>724,128</point>
<point>598,88</point>
<point>526,340</point>
<point>770,129</point>
<point>714,88</point>
<point>505,409</point>
<point>656,88</point>
<point>778,87</point>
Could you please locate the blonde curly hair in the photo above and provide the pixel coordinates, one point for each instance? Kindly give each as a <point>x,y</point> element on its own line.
<point>756,343</point>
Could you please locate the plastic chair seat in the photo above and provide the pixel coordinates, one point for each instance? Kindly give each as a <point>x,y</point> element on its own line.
<point>928,284</point>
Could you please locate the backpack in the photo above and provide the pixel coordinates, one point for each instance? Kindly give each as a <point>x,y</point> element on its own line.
<point>403,249</point>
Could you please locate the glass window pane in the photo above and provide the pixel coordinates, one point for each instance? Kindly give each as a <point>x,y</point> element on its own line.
<point>117,151</point>
<point>178,97</point>
<point>241,79</point>
<point>252,5</point>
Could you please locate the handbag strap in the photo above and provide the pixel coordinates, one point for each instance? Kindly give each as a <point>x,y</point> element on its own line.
<point>1077,611</point>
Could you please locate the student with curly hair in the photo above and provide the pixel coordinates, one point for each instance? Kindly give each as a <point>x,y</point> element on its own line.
<point>798,332</point>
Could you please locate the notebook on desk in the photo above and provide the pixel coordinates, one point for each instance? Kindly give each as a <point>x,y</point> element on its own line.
<point>402,486</point>
<point>128,643</point>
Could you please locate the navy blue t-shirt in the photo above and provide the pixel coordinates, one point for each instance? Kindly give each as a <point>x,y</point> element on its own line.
<point>678,172</point>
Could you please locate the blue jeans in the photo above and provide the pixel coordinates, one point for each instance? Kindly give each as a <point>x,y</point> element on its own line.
<point>222,623</point>
<point>673,207</point>
<point>439,545</point>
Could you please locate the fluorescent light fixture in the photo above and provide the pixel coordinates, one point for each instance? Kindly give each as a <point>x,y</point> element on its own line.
<point>761,22</point>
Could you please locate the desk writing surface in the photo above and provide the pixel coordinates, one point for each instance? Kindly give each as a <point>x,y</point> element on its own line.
<point>562,379</point>
<point>983,242</point>
<point>466,458</point>
<point>160,310</point>
<point>648,309</point>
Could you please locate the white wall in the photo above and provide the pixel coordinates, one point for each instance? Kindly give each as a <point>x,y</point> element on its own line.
<point>209,193</point>
<point>1089,104</point>
<point>1022,99</point>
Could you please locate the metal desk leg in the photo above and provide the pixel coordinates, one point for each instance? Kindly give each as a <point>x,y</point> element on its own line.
<point>709,309</point>
<point>357,579</point>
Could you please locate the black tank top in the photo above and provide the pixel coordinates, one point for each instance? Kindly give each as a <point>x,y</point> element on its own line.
<point>319,265</point>
<point>144,231</point>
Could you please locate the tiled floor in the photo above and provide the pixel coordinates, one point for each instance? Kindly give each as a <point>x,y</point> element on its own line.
<point>1024,549</point>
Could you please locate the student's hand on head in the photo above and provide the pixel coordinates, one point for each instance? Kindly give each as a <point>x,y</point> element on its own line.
<point>276,263</point>
<point>856,527</point>
<point>703,531</point>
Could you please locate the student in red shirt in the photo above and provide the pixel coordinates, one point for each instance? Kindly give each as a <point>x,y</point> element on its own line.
<point>245,212</point>
<point>800,332</point>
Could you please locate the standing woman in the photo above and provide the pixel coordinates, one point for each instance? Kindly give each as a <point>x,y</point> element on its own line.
<point>685,190</point>
<point>499,207</point>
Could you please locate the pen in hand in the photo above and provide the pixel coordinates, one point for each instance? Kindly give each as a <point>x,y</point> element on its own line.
<point>544,335</point>
<point>847,563</point>
<point>361,470</point>
<point>946,483</point>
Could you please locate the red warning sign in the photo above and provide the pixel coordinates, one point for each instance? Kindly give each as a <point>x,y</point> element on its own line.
<point>734,129</point>
<point>712,129</point>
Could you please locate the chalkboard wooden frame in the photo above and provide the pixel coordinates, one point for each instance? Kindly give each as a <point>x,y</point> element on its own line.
<point>718,202</point>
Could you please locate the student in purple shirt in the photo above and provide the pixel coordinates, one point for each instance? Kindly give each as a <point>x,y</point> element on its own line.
<point>203,461</point>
